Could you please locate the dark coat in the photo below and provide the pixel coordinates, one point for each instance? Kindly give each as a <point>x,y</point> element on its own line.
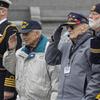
<point>7,80</point>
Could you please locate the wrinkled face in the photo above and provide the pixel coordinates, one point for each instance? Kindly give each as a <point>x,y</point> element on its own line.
<point>70,29</point>
<point>77,30</point>
<point>94,20</point>
<point>94,15</point>
<point>31,38</point>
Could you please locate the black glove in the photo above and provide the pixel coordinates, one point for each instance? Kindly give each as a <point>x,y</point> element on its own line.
<point>57,35</point>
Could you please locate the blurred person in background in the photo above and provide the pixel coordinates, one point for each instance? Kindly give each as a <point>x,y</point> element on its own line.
<point>7,80</point>
<point>94,22</point>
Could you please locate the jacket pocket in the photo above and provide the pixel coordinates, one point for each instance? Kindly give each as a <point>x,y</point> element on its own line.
<point>75,85</point>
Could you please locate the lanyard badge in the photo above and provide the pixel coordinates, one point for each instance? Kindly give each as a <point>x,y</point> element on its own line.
<point>67,69</point>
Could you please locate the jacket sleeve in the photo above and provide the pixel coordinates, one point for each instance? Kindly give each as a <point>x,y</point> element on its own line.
<point>9,84</point>
<point>9,61</point>
<point>53,54</point>
<point>53,72</point>
<point>93,86</point>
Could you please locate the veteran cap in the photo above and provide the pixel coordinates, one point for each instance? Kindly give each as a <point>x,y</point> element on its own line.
<point>28,26</point>
<point>5,3</point>
<point>96,8</point>
<point>75,19</point>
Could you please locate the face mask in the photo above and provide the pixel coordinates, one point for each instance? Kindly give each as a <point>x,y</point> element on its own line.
<point>91,22</point>
<point>94,24</point>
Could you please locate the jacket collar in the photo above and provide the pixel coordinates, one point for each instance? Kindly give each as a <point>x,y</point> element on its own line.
<point>83,38</point>
<point>39,48</point>
<point>3,21</point>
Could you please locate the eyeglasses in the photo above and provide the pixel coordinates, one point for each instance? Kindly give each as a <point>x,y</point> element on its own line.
<point>71,26</point>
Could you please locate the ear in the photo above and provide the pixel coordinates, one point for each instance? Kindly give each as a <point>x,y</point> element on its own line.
<point>37,34</point>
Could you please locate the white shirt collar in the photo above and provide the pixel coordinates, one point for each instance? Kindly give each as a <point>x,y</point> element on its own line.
<point>1,21</point>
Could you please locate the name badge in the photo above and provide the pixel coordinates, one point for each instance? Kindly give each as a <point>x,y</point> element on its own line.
<point>67,70</point>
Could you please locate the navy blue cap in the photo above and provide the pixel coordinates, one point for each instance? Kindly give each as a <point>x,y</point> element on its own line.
<point>5,3</point>
<point>28,26</point>
<point>75,19</point>
<point>96,8</point>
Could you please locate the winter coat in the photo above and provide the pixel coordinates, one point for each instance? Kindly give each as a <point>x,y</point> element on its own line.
<point>79,79</point>
<point>35,80</point>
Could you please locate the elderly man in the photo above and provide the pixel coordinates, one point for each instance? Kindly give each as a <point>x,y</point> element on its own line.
<point>94,17</point>
<point>77,74</point>
<point>94,22</point>
<point>7,80</point>
<point>35,80</point>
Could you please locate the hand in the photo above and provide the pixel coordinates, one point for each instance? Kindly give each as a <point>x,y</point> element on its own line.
<point>8,95</point>
<point>57,35</point>
<point>12,42</point>
<point>80,29</point>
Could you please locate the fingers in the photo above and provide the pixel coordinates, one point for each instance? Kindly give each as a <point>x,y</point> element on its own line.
<point>13,37</point>
<point>8,95</point>
<point>12,42</point>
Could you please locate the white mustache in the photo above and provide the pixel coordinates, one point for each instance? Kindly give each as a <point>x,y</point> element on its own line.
<point>91,22</point>
<point>94,24</point>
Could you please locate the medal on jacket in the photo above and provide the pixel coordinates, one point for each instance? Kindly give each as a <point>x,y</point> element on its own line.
<point>31,55</point>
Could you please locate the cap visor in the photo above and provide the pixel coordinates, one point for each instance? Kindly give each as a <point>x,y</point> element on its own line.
<point>71,23</point>
<point>25,31</point>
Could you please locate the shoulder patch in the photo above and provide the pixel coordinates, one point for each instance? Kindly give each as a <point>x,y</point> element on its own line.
<point>98,96</point>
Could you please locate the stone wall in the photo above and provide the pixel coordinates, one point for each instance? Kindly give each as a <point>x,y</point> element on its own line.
<point>50,12</point>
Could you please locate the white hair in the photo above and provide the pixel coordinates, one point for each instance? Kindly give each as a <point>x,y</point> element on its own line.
<point>39,31</point>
